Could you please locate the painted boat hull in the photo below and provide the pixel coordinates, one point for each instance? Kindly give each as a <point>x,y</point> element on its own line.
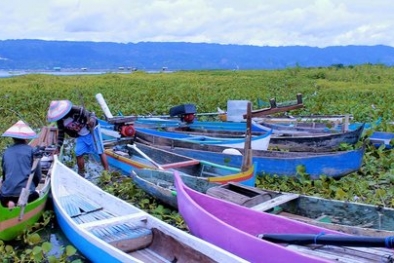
<point>290,139</point>
<point>330,164</point>
<point>10,225</point>
<point>235,228</point>
<point>308,142</point>
<point>378,138</point>
<point>205,170</point>
<point>355,218</point>
<point>160,184</point>
<point>84,212</point>
<point>175,139</point>
<point>239,228</point>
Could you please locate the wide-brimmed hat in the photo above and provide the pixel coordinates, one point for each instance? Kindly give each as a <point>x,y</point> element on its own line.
<point>20,130</point>
<point>58,109</point>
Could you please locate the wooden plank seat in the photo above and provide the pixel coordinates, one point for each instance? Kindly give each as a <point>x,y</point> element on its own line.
<point>139,216</point>
<point>267,205</point>
<point>124,236</point>
<point>81,210</point>
<point>180,164</point>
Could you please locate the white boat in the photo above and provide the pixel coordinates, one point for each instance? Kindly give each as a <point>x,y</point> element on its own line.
<point>107,229</point>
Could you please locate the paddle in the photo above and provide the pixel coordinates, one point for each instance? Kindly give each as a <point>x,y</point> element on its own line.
<point>24,195</point>
<point>133,146</point>
<point>335,240</point>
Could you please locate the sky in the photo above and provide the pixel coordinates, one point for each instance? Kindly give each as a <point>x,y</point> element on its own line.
<point>316,23</point>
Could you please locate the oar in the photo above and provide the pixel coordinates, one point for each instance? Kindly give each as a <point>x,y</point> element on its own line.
<point>133,146</point>
<point>335,240</point>
<point>24,195</point>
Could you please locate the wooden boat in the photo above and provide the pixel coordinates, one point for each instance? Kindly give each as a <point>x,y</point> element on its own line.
<point>334,164</point>
<point>307,142</point>
<point>289,139</point>
<point>160,184</point>
<point>126,158</point>
<point>159,137</point>
<point>14,222</point>
<point>328,119</point>
<point>348,217</point>
<point>107,229</point>
<point>344,216</point>
<point>242,231</point>
<point>377,138</point>
<point>292,142</point>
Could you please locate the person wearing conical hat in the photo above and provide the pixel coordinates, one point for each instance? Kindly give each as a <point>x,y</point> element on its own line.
<point>17,163</point>
<point>77,122</point>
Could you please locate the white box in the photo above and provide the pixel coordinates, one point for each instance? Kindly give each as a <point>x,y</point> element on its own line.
<point>236,110</point>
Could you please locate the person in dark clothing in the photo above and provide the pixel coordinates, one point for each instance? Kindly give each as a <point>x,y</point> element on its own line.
<point>17,165</point>
<point>77,122</point>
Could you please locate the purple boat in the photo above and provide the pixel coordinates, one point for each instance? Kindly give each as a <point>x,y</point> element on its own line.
<point>237,229</point>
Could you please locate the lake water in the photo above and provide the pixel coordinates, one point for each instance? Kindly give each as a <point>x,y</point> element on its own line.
<point>14,73</point>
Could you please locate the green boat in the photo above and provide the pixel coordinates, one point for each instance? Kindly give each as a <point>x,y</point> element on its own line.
<point>14,221</point>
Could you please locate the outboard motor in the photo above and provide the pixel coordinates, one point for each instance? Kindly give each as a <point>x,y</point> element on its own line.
<point>186,112</point>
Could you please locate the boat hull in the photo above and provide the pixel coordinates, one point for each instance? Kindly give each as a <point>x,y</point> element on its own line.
<point>107,229</point>
<point>201,169</point>
<point>11,226</point>
<point>200,142</point>
<point>236,228</point>
<point>332,164</point>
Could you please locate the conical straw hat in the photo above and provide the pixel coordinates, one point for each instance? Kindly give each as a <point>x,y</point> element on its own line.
<point>58,109</point>
<point>20,130</point>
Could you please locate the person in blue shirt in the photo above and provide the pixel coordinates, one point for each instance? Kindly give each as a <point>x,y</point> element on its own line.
<point>17,164</point>
<point>77,122</point>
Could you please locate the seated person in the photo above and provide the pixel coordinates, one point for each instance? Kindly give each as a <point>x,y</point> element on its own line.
<point>17,165</point>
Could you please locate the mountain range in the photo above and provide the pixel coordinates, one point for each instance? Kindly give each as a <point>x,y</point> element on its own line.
<point>48,55</point>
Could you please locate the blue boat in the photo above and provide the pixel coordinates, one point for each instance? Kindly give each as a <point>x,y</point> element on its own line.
<point>177,139</point>
<point>331,164</point>
<point>107,229</point>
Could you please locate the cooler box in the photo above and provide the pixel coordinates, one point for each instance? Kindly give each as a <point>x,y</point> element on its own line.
<point>236,109</point>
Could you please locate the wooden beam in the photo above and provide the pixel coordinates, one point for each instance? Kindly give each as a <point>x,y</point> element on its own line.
<point>267,205</point>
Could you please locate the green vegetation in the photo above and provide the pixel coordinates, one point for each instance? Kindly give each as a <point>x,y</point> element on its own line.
<point>365,91</point>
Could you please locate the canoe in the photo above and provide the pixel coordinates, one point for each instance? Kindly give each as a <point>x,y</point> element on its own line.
<point>379,138</point>
<point>126,158</point>
<point>160,184</point>
<point>105,228</point>
<point>202,142</point>
<point>355,218</point>
<point>14,222</point>
<point>333,118</point>
<point>334,164</point>
<point>241,231</point>
<point>290,139</point>
<point>376,138</point>
<point>308,142</point>
<point>349,217</point>
<point>291,142</point>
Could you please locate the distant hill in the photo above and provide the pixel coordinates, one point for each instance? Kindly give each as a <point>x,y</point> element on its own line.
<point>40,54</point>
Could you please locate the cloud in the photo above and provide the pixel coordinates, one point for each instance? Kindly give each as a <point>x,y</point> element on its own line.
<point>253,22</point>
